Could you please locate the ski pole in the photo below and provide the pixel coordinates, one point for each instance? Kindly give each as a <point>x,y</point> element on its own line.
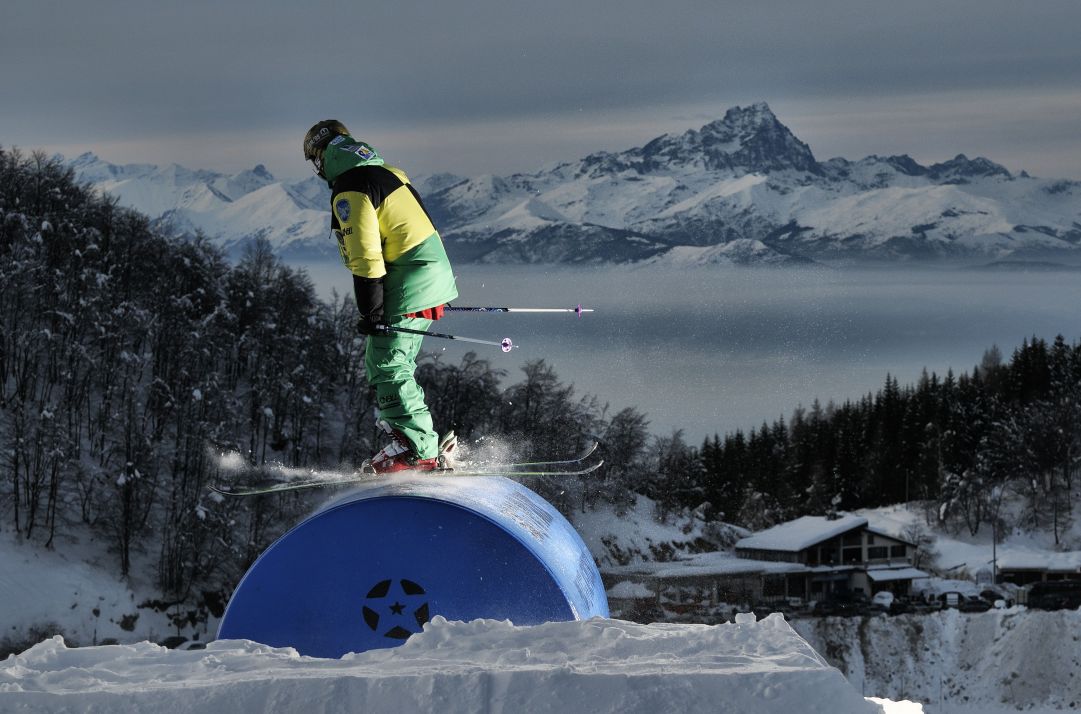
<point>576,310</point>
<point>505,344</point>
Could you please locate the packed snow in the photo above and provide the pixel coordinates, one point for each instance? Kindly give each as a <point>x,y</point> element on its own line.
<point>586,667</point>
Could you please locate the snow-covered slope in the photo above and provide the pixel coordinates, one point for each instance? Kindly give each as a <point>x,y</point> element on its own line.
<point>638,534</point>
<point>454,668</point>
<point>229,209</point>
<point>74,590</point>
<point>744,177</point>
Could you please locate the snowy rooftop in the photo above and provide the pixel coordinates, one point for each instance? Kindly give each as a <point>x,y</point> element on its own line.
<point>707,564</point>
<point>801,533</point>
<point>1015,558</point>
<point>888,534</point>
<point>881,575</point>
<point>722,563</point>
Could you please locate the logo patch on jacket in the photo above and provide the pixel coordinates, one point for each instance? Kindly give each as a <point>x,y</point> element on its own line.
<point>342,207</point>
<point>362,150</point>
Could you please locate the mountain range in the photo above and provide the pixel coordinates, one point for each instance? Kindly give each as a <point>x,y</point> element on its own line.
<point>740,190</point>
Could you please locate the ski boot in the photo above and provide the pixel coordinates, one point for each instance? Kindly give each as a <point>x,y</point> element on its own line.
<point>447,446</point>
<point>397,456</point>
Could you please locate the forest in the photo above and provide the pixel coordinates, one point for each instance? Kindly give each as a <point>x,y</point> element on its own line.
<point>130,359</point>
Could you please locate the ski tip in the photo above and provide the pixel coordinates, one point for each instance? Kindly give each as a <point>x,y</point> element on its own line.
<point>590,449</point>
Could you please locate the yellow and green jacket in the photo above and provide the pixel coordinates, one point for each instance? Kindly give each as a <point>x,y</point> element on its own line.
<point>383,229</point>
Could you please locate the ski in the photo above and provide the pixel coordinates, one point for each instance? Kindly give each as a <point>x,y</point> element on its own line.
<point>509,470</point>
<point>276,477</point>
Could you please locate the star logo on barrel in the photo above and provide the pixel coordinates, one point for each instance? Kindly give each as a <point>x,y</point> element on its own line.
<point>396,608</point>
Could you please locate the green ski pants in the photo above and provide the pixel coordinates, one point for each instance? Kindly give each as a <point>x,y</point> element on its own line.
<point>390,362</point>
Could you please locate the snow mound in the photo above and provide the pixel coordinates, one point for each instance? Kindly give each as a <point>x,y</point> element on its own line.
<point>1003,659</point>
<point>485,665</point>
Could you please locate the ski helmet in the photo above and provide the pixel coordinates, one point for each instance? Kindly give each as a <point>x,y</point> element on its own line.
<point>317,138</point>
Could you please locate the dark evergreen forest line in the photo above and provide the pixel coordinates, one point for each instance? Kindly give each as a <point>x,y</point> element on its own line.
<point>129,359</point>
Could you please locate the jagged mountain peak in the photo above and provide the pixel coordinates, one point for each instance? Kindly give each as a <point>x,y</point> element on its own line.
<point>755,116</point>
<point>903,163</point>
<point>259,174</point>
<point>961,168</point>
<point>753,138</point>
<point>746,139</point>
<point>85,159</point>
<point>92,168</point>
<point>243,183</point>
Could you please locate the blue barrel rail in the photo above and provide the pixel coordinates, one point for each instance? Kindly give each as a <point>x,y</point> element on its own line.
<point>371,568</point>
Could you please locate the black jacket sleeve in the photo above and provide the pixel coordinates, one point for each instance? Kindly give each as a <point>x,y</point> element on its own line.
<point>369,294</point>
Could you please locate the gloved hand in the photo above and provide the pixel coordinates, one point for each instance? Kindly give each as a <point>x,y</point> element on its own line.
<point>367,327</point>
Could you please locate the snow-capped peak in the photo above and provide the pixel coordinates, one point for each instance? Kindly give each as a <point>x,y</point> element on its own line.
<point>243,183</point>
<point>961,168</point>
<point>747,140</point>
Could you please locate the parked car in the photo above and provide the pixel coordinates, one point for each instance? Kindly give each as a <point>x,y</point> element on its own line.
<point>951,599</point>
<point>1055,595</point>
<point>765,609</point>
<point>882,601</point>
<point>995,595</point>
<point>923,603</point>
<point>845,603</point>
<point>973,603</point>
<point>647,614</point>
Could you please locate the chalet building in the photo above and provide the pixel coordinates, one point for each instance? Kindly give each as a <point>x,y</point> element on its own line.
<point>1022,567</point>
<point>831,555</point>
<point>807,559</point>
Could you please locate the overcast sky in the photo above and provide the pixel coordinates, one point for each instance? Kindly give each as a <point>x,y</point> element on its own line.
<point>480,86</point>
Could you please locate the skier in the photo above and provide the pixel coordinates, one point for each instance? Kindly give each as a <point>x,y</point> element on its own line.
<point>401,278</point>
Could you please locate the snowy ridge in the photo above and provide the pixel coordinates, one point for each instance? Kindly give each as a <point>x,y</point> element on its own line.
<point>590,667</point>
<point>744,177</point>
<point>742,251</point>
<point>229,209</point>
